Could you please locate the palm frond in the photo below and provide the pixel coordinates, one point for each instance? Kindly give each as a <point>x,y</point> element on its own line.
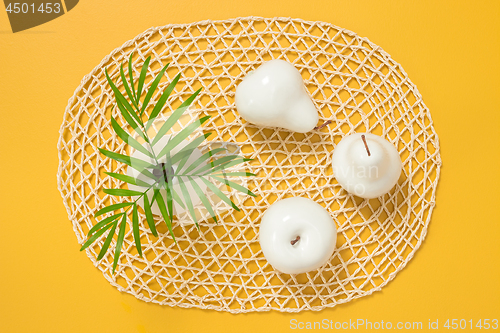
<point>119,241</point>
<point>111,208</point>
<point>108,240</point>
<point>149,216</point>
<point>127,88</point>
<point>131,75</point>
<point>142,78</point>
<point>152,88</point>
<point>128,139</point>
<point>203,198</point>
<point>133,110</point>
<point>174,118</point>
<point>161,102</point>
<point>135,227</point>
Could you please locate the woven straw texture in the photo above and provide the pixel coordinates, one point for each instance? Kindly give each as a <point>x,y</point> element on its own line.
<point>352,81</point>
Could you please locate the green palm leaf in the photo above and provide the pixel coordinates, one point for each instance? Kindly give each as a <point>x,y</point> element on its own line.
<point>149,215</point>
<point>216,163</point>
<point>189,204</point>
<point>119,241</point>
<point>202,159</point>
<point>219,193</point>
<point>120,99</point>
<point>135,228</point>
<point>128,139</point>
<point>174,117</point>
<point>105,246</point>
<point>234,185</point>
<point>178,199</point>
<point>163,99</point>
<point>142,78</point>
<point>164,213</point>
<point>152,89</point>
<point>227,165</point>
<point>128,179</point>
<point>184,154</point>
<point>95,236</point>
<point>119,192</point>
<point>130,74</point>
<point>170,190</point>
<point>133,162</point>
<point>130,120</point>
<point>235,174</point>
<point>103,223</point>
<point>127,88</point>
<point>203,198</point>
<point>112,208</point>
<point>179,137</point>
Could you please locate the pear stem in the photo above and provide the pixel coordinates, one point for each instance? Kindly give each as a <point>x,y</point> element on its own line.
<point>295,240</point>
<point>366,145</point>
<point>326,123</point>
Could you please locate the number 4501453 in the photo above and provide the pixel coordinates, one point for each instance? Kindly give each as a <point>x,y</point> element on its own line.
<point>464,324</point>
<point>24,8</point>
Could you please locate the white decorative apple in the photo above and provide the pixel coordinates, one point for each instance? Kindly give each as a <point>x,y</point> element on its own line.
<point>274,95</point>
<point>366,165</point>
<point>297,235</point>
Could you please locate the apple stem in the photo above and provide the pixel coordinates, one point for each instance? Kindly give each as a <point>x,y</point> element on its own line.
<point>326,123</point>
<point>295,240</point>
<point>366,145</point>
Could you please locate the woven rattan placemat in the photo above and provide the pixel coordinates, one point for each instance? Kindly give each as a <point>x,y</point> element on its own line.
<point>352,81</point>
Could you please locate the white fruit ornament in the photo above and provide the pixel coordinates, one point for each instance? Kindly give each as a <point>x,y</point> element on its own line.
<point>274,95</point>
<point>297,235</point>
<point>366,165</point>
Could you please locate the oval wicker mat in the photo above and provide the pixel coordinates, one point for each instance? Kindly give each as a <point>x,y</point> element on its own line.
<point>351,80</point>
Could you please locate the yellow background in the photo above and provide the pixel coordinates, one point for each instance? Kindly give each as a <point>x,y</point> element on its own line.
<point>451,51</point>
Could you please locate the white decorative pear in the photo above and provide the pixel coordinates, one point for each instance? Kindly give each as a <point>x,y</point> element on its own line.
<point>366,165</point>
<point>274,95</point>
